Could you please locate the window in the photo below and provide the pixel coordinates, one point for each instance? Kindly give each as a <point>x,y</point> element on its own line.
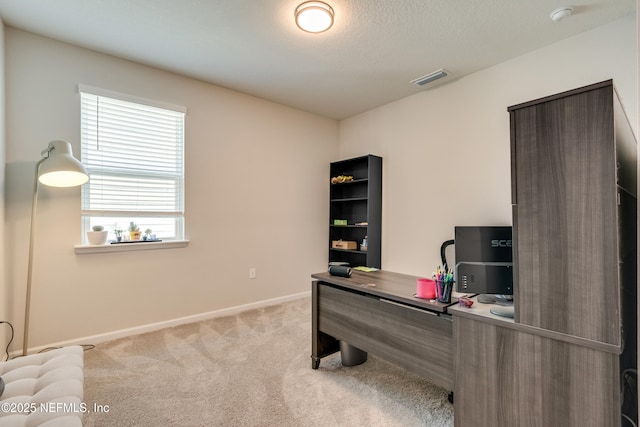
<point>134,153</point>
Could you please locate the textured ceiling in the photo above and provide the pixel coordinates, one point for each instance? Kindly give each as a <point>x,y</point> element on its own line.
<point>367,59</point>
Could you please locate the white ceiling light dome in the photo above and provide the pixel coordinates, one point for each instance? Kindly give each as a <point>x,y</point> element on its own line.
<point>314,16</point>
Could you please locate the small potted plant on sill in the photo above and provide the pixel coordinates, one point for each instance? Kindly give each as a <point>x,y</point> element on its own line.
<point>134,231</point>
<point>98,236</point>
<point>147,234</point>
<point>118,232</point>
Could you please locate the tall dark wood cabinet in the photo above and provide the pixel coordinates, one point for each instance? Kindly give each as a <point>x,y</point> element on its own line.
<point>356,201</point>
<point>574,193</point>
<point>574,211</point>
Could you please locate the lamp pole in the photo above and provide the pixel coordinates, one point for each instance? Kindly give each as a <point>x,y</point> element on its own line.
<point>27,310</point>
<point>62,162</point>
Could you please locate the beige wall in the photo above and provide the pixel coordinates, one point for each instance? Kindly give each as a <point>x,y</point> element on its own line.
<point>4,290</point>
<point>256,196</point>
<point>446,150</point>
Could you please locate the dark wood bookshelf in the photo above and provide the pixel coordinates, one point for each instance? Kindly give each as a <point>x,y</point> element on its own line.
<point>358,200</point>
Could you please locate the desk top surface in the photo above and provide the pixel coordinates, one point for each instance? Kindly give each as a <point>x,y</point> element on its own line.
<point>479,309</point>
<point>385,284</point>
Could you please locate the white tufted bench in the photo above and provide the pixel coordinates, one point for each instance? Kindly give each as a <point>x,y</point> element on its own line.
<point>44,389</point>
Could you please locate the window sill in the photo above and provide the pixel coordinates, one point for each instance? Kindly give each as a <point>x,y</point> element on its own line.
<point>94,249</point>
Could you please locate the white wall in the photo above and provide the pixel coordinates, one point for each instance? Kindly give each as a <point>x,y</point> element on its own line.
<point>446,150</point>
<point>256,196</point>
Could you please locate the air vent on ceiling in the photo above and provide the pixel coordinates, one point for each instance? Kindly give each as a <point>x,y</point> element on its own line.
<point>438,74</point>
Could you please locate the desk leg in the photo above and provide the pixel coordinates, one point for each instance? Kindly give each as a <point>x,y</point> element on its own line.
<point>315,362</point>
<point>321,343</point>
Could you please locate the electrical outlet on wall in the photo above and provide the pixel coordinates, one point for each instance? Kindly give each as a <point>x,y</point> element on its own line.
<point>252,273</point>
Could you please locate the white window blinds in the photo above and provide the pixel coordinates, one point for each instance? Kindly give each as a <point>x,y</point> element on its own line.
<point>134,154</point>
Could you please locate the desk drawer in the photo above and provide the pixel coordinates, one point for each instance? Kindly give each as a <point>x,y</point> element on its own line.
<point>415,339</point>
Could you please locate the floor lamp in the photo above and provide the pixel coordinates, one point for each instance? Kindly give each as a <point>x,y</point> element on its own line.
<point>57,168</point>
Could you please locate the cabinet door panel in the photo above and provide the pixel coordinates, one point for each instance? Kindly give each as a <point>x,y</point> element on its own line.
<point>505,377</point>
<point>566,203</point>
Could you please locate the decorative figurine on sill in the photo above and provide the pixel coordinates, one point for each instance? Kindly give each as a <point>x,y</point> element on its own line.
<point>134,231</point>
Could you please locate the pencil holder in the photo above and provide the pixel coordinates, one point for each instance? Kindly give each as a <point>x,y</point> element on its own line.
<point>443,291</point>
<point>426,288</point>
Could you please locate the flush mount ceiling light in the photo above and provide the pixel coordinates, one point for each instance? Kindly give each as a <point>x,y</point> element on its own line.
<point>314,16</point>
<point>561,13</point>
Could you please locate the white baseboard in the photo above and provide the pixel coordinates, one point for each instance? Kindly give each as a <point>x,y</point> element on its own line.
<point>122,333</point>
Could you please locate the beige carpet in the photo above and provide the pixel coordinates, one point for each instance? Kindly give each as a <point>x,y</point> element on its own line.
<point>252,369</point>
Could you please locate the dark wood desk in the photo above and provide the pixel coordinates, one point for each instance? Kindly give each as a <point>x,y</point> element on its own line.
<point>378,313</point>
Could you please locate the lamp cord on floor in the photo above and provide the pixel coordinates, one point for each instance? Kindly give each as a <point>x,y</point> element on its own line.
<point>85,347</point>
<point>10,341</point>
